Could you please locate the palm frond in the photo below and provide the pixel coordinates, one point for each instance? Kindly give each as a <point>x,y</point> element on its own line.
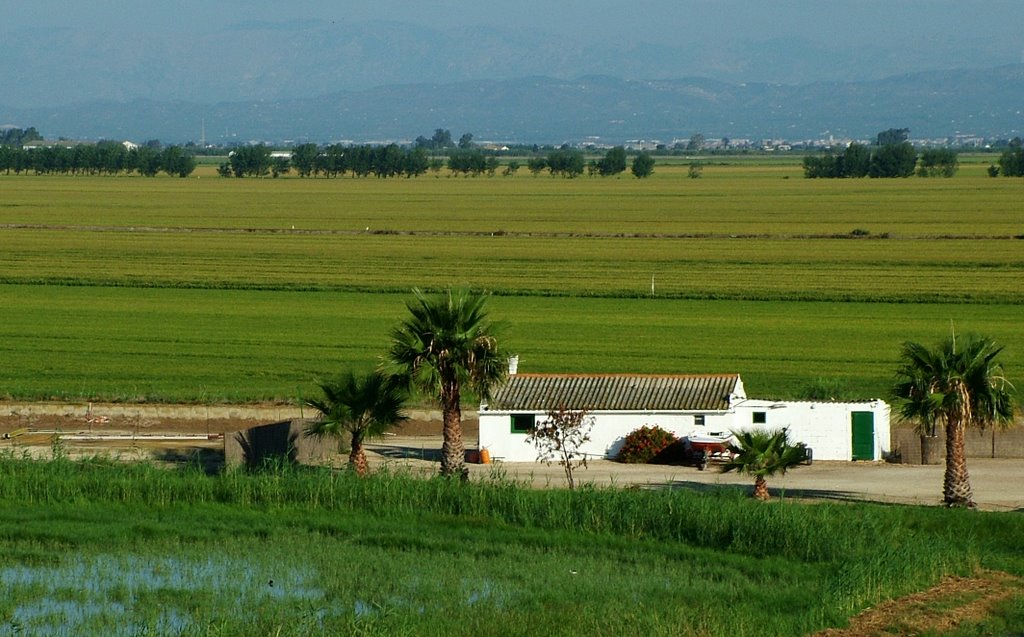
<point>366,405</point>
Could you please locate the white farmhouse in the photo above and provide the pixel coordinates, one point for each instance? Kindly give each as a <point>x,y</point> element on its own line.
<point>682,404</point>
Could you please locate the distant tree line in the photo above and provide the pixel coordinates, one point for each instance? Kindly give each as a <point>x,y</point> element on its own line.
<point>570,163</point>
<point>311,160</point>
<point>471,161</point>
<point>442,140</point>
<point>103,158</point>
<point>19,137</point>
<point>892,156</point>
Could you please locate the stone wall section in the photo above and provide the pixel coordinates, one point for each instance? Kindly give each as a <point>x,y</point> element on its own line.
<point>991,443</point>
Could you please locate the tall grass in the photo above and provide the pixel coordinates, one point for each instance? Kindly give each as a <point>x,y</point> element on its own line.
<point>723,519</point>
<point>409,556</point>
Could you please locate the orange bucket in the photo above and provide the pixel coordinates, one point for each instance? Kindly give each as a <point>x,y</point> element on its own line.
<point>485,456</point>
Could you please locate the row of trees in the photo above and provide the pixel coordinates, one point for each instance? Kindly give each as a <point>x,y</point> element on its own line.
<point>887,161</point>
<point>571,163</point>
<point>310,160</point>
<point>104,158</point>
<point>891,156</point>
<point>473,162</point>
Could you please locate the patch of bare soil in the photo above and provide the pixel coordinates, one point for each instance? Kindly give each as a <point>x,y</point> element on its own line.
<point>173,433</point>
<point>942,608</point>
<point>159,419</point>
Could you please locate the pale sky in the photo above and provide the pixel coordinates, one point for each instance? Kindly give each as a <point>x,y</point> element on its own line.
<point>846,22</point>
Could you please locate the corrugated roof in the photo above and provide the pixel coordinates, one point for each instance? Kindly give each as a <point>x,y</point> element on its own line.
<point>619,392</point>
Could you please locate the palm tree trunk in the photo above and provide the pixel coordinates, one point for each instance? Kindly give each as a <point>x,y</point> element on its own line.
<point>929,449</point>
<point>761,489</point>
<point>357,457</point>
<point>453,451</point>
<point>956,486</point>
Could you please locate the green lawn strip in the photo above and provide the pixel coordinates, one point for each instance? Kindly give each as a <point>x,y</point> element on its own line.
<point>432,557</point>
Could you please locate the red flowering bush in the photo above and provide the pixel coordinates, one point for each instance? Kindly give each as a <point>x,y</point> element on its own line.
<point>645,444</point>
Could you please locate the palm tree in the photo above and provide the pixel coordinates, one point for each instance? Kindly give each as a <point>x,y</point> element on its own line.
<point>959,385</point>
<point>447,343</point>
<point>364,406</point>
<point>762,454</point>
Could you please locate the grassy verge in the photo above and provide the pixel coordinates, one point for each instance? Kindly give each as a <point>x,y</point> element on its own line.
<point>316,552</point>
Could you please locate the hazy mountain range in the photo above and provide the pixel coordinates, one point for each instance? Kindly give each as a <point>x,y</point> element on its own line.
<point>324,81</point>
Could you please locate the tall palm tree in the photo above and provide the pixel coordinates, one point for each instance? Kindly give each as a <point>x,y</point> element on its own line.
<point>762,454</point>
<point>364,406</point>
<point>447,343</point>
<point>959,385</point>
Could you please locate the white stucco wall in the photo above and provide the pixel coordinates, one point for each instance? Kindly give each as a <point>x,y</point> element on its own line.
<point>824,427</point>
<point>606,436</point>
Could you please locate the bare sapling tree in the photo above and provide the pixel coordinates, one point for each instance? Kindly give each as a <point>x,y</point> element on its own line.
<point>559,439</point>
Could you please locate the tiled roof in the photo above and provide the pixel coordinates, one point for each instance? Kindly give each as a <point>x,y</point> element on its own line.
<point>614,392</point>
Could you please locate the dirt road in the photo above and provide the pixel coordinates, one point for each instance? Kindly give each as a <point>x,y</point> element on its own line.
<point>996,482</point>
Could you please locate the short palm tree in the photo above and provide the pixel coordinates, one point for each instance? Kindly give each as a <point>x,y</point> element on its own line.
<point>762,454</point>
<point>363,406</point>
<point>959,385</point>
<point>445,344</point>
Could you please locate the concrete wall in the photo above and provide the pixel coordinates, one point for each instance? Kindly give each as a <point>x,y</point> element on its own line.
<point>991,443</point>
<point>277,441</point>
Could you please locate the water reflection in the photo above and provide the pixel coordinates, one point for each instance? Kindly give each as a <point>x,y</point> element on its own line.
<point>128,594</point>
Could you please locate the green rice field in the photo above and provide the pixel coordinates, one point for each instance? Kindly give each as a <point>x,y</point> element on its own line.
<point>210,289</point>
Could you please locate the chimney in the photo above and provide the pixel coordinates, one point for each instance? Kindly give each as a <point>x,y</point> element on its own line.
<point>513,364</point>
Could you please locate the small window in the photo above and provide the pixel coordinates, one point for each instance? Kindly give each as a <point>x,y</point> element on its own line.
<point>523,423</point>
<point>699,420</point>
<point>760,417</point>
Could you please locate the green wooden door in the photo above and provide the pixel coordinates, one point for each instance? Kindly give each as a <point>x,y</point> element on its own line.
<point>863,431</point>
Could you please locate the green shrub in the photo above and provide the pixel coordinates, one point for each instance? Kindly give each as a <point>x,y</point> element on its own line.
<point>644,444</point>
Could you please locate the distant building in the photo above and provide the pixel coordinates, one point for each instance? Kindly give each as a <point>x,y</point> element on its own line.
<point>641,144</point>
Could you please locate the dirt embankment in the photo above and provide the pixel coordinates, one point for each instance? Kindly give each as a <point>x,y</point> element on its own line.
<point>940,609</point>
<point>181,419</point>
